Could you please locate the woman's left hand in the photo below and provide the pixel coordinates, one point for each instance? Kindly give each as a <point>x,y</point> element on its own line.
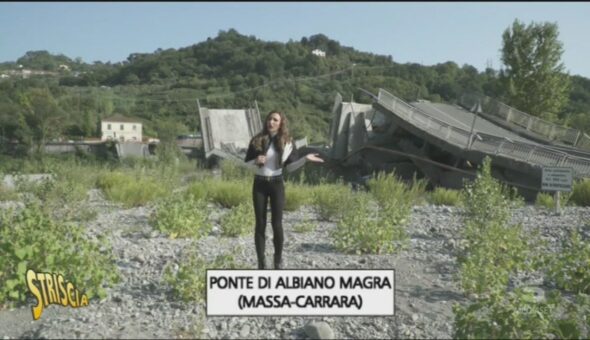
<point>314,157</point>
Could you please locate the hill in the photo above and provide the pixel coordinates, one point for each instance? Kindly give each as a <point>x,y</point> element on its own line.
<point>230,70</point>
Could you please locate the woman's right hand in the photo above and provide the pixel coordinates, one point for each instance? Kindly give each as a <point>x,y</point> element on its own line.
<point>260,160</point>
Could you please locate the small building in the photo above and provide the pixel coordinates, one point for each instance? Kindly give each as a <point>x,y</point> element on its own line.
<point>121,128</point>
<point>319,53</point>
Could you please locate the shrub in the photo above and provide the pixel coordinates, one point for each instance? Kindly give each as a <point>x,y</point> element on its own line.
<point>189,282</point>
<point>442,196</point>
<point>229,193</point>
<point>491,255</point>
<point>239,221</point>
<point>296,196</point>
<point>389,191</point>
<point>581,193</point>
<point>570,269</point>
<point>363,229</point>
<point>181,216</point>
<point>417,190</point>
<point>60,197</point>
<point>31,239</point>
<point>544,200</point>
<point>331,200</point>
<point>518,315</point>
<point>484,199</point>
<point>199,190</point>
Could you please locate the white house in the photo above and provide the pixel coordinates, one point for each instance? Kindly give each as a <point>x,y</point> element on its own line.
<point>319,53</point>
<point>121,128</point>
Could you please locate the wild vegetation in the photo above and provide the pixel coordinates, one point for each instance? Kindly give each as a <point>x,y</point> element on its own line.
<point>32,239</point>
<point>493,252</point>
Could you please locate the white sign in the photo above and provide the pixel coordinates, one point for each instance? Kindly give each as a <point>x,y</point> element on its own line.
<point>557,179</point>
<point>300,292</point>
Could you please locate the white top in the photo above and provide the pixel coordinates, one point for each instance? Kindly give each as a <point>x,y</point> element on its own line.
<point>270,168</point>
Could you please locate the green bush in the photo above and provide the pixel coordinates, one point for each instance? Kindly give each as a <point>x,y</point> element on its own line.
<point>229,193</point>
<point>239,221</point>
<point>493,250</point>
<point>61,197</point>
<point>132,190</point>
<point>331,200</point>
<point>181,216</point>
<point>199,190</point>
<point>296,196</point>
<point>491,255</point>
<point>31,239</point>
<point>485,199</point>
<point>518,315</point>
<point>570,269</point>
<point>389,190</point>
<point>189,282</point>
<point>364,229</point>
<point>545,201</point>
<point>442,196</point>
<point>581,193</point>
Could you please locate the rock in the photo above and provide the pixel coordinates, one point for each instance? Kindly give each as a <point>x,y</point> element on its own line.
<point>139,258</point>
<point>415,317</point>
<point>319,330</point>
<point>244,331</point>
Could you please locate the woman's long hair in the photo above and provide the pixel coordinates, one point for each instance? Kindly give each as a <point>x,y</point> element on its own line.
<point>283,136</point>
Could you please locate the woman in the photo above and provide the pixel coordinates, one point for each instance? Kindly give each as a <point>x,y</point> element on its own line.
<point>271,151</point>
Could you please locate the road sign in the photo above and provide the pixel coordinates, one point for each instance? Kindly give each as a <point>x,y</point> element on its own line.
<point>557,179</point>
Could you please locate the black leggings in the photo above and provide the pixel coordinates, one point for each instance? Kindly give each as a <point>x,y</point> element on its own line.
<point>261,192</point>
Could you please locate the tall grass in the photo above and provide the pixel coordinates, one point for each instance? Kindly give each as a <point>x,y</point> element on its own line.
<point>391,191</point>
<point>297,195</point>
<point>132,190</point>
<point>331,200</point>
<point>544,200</point>
<point>581,193</point>
<point>442,196</point>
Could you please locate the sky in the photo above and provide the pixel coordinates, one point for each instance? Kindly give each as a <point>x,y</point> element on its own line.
<point>427,33</point>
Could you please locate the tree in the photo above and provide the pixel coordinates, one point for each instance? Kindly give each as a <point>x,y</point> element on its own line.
<point>42,115</point>
<point>534,80</point>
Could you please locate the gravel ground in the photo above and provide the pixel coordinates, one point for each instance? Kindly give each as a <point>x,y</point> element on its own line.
<point>140,306</point>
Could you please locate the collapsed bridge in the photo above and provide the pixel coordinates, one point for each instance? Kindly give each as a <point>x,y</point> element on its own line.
<point>444,143</point>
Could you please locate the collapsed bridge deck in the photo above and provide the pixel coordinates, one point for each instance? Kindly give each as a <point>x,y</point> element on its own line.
<point>449,135</point>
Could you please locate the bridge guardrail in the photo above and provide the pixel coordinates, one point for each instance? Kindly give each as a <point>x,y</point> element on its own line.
<point>490,144</point>
<point>509,114</point>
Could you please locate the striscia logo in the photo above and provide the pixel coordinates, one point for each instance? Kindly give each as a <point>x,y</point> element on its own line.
<point>50,288</point>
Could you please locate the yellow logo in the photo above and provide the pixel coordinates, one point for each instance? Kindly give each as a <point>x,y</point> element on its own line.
<point>50,288</point>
